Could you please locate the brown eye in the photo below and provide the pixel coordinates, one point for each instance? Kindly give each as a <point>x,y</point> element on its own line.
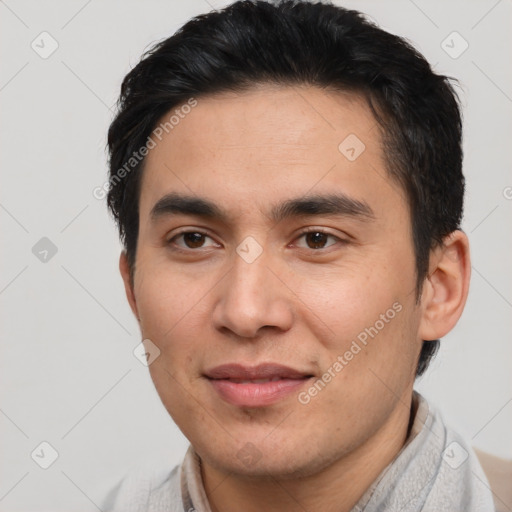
<point>316,239</point>
<point>193,240</point>
<point>190,240</point>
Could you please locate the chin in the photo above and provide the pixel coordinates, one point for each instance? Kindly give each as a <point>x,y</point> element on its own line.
<point>258,460</point>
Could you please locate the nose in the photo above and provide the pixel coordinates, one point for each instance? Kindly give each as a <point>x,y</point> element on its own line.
<point>253,296</point>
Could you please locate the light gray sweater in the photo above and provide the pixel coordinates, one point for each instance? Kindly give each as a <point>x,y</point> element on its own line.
<point>435,471</point>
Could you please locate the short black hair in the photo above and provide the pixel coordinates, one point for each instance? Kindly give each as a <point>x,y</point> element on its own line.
<point>296,42</point>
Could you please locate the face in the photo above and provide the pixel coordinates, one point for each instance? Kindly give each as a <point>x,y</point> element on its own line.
<point>300,255</point>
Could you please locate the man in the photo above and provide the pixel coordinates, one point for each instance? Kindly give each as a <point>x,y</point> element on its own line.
<point>287,181</point>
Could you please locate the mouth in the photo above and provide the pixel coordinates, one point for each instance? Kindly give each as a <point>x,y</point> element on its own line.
<point>253,381</point>
<point>257,386</point>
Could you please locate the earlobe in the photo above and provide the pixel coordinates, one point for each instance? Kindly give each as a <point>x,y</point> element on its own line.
<point>124,268</point>
<point>446,288</point>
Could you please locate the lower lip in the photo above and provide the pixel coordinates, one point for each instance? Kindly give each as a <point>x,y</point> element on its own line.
<point>254,394</point>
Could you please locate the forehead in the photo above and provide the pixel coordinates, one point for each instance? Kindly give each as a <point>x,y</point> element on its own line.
<point>255,145</point>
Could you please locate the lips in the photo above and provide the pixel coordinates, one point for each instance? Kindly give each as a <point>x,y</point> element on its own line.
<point>256,386</point>
<point>250,373</point>
<point>255,381</point>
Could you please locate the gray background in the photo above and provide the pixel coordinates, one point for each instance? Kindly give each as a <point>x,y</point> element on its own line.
<point>68,374</point>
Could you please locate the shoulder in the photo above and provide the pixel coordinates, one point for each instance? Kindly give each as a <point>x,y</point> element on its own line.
<point>436,471</point>
<point>458,479</point>
<point>148,487</point>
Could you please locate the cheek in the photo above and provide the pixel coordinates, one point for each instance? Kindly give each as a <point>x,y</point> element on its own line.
<point>340,303</point>
<point>168,298</point>
<point>365,318</point>
<point>379,356</point>
<point>170,307</point>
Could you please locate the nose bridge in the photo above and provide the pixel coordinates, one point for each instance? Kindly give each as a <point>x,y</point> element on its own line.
<point>252,297</point>
<point>250,262</point>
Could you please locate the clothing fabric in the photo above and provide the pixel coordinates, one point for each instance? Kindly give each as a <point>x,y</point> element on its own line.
<point>435,471</point>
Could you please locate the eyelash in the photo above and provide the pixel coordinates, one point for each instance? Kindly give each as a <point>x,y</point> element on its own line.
<point>302,234</point>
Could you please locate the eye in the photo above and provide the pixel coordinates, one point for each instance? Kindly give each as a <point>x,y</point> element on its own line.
<point>191,240</point>
<point>316,239</point>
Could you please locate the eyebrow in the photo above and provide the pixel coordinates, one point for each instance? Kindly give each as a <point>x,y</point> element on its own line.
<point>312,205</point>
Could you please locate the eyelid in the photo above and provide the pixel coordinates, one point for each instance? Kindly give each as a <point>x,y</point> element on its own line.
<point>184,231</point>
<point>323,231</point>
<point>300,234</point>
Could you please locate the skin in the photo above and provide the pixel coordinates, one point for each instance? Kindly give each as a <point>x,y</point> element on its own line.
<point>300,303</point>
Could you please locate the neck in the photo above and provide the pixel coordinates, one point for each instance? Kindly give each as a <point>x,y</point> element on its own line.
<point>337,488</point>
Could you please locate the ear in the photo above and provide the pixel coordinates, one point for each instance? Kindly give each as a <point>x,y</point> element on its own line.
<point>445,290</point>
<point>124,268</point>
